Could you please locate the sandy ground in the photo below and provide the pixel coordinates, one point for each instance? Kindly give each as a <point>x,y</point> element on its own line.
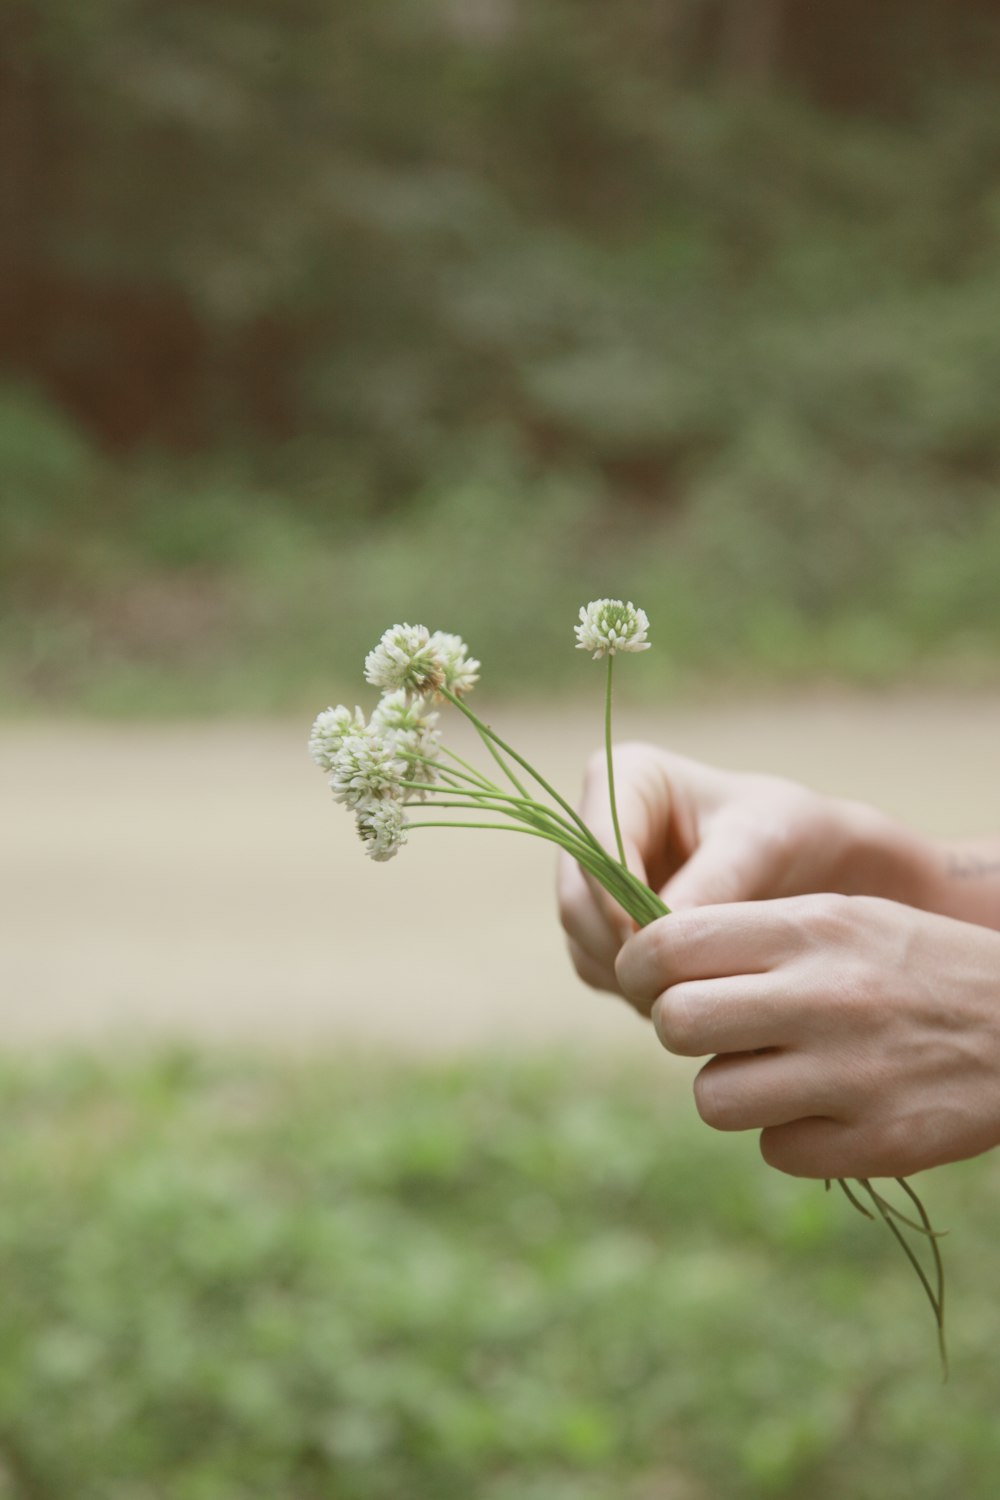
<point>196,882</point>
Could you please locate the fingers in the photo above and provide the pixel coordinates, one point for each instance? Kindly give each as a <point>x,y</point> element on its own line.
<point>586,921</point>
<point>597,975</point>
<point>734,862</point>
<point>702,1017</point>
<point>649,817</point>
<point>756,1092</point>
<point>709,942</point>
<point>822,1148</point>
<point>857,1148</point>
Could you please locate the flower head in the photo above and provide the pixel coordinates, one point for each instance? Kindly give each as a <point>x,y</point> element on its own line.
<point>461,671</point>
<point>608,626</point>
<point>400,714</point>
<point>332,727</point>
<point>405,658</point>
<point>367,769</point>
<point>409,724</point>
<point>382,830</point>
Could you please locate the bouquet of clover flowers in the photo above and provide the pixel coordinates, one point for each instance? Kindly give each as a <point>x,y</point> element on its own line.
<point>385,767</point>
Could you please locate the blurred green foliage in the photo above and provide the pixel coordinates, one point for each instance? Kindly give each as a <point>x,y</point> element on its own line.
<point>313,316</point>
<point>544,1279</point>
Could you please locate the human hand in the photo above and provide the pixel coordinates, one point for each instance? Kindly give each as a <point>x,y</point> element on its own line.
<point>701,836</point>
<point>862,1037</point>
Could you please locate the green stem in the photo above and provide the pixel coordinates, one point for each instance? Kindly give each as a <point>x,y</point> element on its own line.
<point>644,905</point>
<point>608,698</point>
<point>548,824</point>
<point>496,827</point>
<point>636,899</point>
<point>898,1213</point>
<point>530,807</point>
<point>505,768</point>
<point>914,1262</point>
<point>473,774</point>
<point>934,1236</point>
<point>488,733</point>
<point>851,1198</point>
<point>479,786</point>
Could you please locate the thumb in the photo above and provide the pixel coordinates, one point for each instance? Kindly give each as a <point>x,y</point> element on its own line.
<point>730,864</point>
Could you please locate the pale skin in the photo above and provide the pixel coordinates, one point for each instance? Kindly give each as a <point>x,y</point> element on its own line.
<point>841,972</point>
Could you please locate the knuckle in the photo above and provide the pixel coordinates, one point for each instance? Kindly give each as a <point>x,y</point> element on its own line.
<point>666,937</point>
<point>854,988</point>
<point>829,916</point>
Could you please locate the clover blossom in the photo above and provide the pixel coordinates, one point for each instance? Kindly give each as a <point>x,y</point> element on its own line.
<point>382,829</point>
<point>409,723</point>
<point>608,626</point>
<point>405,658</point>
<point>461,671</point>
<point>367,769</point>
<point>400,715</point>
<point>332,727</point>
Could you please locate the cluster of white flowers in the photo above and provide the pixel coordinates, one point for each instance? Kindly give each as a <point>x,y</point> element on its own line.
<point>331,729</point>
<point>409,659</point>
<point>608,626</point>
<point>382,829</point>
<point>369,764</point>
<point>461,671</point>
<point>409,723</point>
<point>367,769</point>
<point>376,767</point>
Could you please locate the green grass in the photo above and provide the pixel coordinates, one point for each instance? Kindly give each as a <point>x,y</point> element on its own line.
<point>227,1280</point>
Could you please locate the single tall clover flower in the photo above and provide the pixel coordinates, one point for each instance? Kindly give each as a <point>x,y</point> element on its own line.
<point>407,658</point>
<point>332,727</point>
<point>608,626</point>
<point>367,769</point>
<point>382,830</point>
<point>461,671</point>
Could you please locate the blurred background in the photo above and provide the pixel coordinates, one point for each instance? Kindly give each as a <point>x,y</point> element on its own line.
<point>322,1181</point>
<point>317,315</point>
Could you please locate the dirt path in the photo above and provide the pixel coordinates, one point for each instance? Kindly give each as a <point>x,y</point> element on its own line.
<point>197,882</point>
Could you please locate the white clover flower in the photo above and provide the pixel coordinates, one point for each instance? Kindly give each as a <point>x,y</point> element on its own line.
<point>367,769</point>
<point>405,658</point>
<point>608,626</point>
<point>382,830</point>
<point>461,671</point>
<point>409,723</point>
<point>332,727</point>
<point>398,713</point>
